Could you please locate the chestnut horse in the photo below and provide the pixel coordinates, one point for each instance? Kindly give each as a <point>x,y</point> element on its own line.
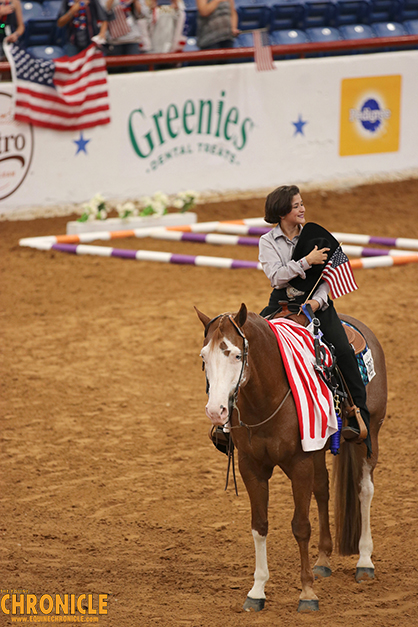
<point>247,385</point>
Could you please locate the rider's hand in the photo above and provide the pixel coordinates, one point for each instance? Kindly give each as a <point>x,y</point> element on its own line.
<point>317,257</point>
<point>314,304</point>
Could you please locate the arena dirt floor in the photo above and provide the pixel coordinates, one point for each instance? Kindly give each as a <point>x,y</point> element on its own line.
<point>109,483</point>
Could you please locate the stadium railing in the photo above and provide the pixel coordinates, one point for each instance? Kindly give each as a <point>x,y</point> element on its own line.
<point>177,59</point>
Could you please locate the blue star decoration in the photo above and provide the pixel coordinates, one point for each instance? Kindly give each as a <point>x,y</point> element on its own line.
<point>299,126</point>
<point>81,143</point>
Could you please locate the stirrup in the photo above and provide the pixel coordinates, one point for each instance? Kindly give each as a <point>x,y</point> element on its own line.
<point>352,432</point>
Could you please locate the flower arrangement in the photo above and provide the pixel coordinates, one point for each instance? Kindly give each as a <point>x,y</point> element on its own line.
<point>156,205</point>
<point>94,210</point>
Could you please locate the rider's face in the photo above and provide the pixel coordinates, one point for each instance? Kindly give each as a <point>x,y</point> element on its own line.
<point>297,213</point>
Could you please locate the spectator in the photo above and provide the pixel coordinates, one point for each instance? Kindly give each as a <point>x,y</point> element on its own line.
<point>11,23</point>
<point>85,21</point>
<point>167,23</point>
<point>128,28</point>
<point>217,24</point>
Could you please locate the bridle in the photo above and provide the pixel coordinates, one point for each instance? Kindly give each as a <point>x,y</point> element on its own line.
<point>234,396</point>
<point>232,403</point>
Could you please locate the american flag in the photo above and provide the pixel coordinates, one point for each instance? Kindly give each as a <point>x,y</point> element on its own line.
<point>262,52</point>
<point>119,26</point>
<point>339,275</point>
<point>313,398</point>
<point>65,94</point>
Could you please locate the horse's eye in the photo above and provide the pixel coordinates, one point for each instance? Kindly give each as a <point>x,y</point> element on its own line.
<point>238,357</point>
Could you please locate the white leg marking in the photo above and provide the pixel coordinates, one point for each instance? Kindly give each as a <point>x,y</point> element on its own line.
<point>366,496</point>
<point>261,574</point>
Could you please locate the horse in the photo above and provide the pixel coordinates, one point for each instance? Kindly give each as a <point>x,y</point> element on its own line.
<point>247,386</point>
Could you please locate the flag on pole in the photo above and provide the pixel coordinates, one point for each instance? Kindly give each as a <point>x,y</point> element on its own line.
<point>339,275</point>
<point>65,94</point>
<point>262,51</point>
<point>118,27</point>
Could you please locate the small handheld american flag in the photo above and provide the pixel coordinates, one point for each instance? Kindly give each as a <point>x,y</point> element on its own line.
<point>339,275</point>
<point>262,51</point>
<point>118,27</point>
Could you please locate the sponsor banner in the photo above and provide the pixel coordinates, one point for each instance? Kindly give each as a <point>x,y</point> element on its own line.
<point>222,128</point>
<point>16,149</point>
<point>370,115</point>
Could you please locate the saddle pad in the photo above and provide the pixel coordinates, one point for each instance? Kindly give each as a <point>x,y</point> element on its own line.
<point>313,398</point>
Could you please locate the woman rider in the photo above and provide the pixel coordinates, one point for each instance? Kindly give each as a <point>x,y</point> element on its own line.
<point>284,208</point>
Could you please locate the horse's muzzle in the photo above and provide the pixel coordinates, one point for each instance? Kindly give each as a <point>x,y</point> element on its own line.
<point>218,416</point>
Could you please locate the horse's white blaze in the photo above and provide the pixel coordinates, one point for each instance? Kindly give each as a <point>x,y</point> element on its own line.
<point>261,574</point>
<point>223,368</point>
<point>366,496</point>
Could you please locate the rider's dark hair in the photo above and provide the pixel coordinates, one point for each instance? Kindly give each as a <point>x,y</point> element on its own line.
<point>279,203</point>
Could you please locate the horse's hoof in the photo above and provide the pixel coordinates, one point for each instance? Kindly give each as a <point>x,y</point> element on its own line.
<point>253,604</point>
<point>364,574</point>
<point>322,571</point>
<point>308,606</point>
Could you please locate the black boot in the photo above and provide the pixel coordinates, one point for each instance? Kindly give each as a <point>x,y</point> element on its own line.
<point>220,439</point>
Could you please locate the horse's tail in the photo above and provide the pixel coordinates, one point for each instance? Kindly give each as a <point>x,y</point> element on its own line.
<point>346,479</point>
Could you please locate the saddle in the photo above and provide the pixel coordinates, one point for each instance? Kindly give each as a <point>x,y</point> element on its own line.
<point>292,311</point>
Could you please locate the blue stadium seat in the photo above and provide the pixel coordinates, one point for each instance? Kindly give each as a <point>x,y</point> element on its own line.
<point>411,27</point>
<point>288,37</point>
<point>323,34</point>
<point>244,40</point>
<point>39,31</point>
<point>389,29</point>
<point>46,52</point>
<point>51,8</point>
<point>287,14</point>
<point>318,13</point>
<point>252,14</point>
<point>408,10</point>
<point>31,10</point>
<point>356,31</point>
<point>383,11</point>
<point>351,12</point>
<point>190,45</point>
<point>191,22</point>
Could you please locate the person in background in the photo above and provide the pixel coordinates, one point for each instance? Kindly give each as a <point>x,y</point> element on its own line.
<point>85,22</point>
<point>167,24</point>
<point>11,23</point>
<point>128,27</point>
<point>217,24</point>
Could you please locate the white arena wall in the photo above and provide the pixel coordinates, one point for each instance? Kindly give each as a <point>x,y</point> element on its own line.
<point>224,128</point>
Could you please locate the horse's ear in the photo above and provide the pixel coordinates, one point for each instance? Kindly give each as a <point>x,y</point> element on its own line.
<point>241,316</point>
<point>202,317</point>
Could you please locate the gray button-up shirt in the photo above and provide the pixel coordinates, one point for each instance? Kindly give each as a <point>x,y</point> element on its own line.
<point>275,256</point>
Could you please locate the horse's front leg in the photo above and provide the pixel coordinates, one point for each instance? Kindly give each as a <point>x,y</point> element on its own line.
<point>322,567</point>
<point>302,478</point>
<point>256,482</point>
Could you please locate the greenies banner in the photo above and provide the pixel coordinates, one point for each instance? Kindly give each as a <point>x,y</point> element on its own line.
<point>220,129</point>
